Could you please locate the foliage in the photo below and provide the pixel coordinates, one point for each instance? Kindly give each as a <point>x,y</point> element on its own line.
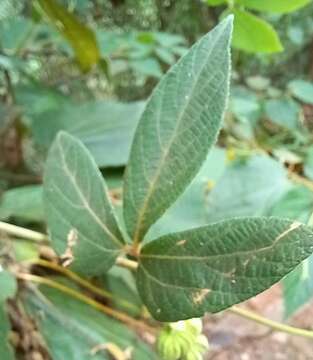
<point>202,194</point>
<point>82,39</point>
<point>76,330</point>
<point>182,340</point>
<point>152,186</point>
<point>251,33</point>
<point>8,289</point>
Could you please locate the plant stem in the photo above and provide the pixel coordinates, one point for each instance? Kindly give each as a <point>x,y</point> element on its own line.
<point>126,263</point>
<point>131,265</point>
<point>83,282</point>
<point>22,232</point>
<point>270,323</point>
<point>93,303</point>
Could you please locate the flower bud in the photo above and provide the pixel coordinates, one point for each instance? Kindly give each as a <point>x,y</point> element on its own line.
<point>182,341</point>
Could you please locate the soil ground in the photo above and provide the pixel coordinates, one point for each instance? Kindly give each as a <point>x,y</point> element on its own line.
<point>234,338</point>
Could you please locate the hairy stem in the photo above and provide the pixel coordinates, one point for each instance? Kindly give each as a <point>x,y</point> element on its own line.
<point>82,282</point>
<point>22,232</point>
<point>131,265</point>
<point>93,303</point>
<point>126,263</point>
<point>270,323</point>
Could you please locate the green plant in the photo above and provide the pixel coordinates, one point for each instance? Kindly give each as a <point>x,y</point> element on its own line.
<point>252,33</point>
<point>180,275</point>
<point>169,147</point>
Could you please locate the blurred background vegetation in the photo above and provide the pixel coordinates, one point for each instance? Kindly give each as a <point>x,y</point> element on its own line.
<point>88,66</point>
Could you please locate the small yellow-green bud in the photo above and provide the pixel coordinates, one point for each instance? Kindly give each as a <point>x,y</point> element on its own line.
<point>182,341</point>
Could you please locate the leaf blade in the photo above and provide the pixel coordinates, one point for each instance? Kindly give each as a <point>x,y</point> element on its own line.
<point>78,210</point>
<point>277,6</point>
<point>252,34</point>
<point>200,79</point>
<point>298,287</point>
<point>185,274</point>
<point>71,329</point>
<point>8,288</point>
<point>81,38</point>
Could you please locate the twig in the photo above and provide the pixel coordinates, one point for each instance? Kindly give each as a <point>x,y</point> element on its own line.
<point>270,323</point>
<point>22,232</point>
<point>83,282</point>
<point>19,231</point>
<point>126,263</point>
<point>93,303</point>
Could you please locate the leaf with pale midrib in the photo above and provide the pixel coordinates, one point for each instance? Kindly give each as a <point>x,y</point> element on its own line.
<point>179,125</point>
<point>186,274</point>
<point>77,205</point>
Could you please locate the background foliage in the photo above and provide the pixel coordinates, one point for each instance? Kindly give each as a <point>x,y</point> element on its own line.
<point>88,67</point>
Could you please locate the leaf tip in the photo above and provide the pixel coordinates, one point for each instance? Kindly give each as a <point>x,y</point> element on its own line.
<point>229,19</point>
<point>62,135</point>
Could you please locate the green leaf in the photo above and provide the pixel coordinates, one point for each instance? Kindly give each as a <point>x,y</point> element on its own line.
<point>24,203</point>
<point>13,32</point>
<point>8,285</point>
<point>302,90</point>
<point>71,329</point>
<point>169,40</point>
<point>183,275</point>
<point>179,125</point>
<point>296,204</point>
<point>258,83</point>
<point>216,2</point>
<point>5,327</point>
<point>43,100</point>
<point>81,38</point>
<point>274,6</point>
<point>80,216</point>
<point>121,283</point>
<point>148,67</point>
<point>8,288</point>
<point>190,209</point>
<point>284,112</point>
<point>298,287</point>
<point>254,35</point>
<point>165,55</point>
<point>100,125</point>
<point>10,9</point>
<point>245,105</point>
<point>235,193</point>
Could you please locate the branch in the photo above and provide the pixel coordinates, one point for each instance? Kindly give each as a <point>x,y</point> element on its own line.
<point>22,232</point>
<point>126,263</point>
<point>82,282</point>
<point>93,303</point>
<point>270,323</point>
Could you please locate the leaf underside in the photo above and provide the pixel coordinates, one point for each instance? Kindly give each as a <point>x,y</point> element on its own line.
<point>80,217</point>
<point>179,125</point>
<point>184,275</point>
